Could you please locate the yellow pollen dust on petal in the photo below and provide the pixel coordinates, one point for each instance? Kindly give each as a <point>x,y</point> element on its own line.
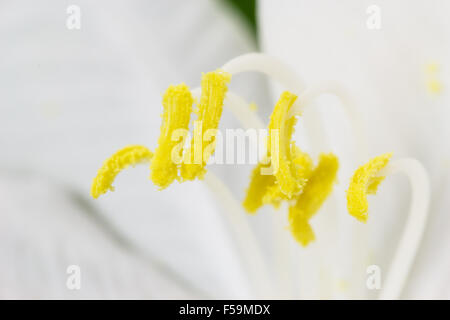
<point>253,106</point>
<point>317,189</point>
<point>214,88</point>
<point>177,104</point>
<point>130,155</point>
<point>434,86</point>
<point>432,68</point>
<point>365,181</point>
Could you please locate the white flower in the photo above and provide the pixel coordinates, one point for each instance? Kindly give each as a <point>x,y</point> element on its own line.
<point>194,240</point>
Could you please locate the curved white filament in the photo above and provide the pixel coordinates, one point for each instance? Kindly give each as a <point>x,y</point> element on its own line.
<point>314,92</point>
<point>250,248</point>
<point>414,228</point>
<point>268,65</point>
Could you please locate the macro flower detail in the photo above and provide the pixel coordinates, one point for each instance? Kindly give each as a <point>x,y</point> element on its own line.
<point>365,181</point>
<point>184,124</point>
<point>130,155</point>
<point>286,173</point>
<point>177,103</point>
<point>317,189</point>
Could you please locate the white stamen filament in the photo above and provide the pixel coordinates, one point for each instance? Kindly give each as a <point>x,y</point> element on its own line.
<point>314,92</point>
<point>268,65</point>
<point>412,235</point>
<point>250,248</point>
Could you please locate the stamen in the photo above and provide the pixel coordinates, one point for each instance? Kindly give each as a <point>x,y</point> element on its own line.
<point>289,164</point>
<point>292,178</point>
<point>130,155</point>
<point>365,181</point>
<point>318,188</point>
<point>177,103</point>
<point>288,182</point>
<point>370,175</point>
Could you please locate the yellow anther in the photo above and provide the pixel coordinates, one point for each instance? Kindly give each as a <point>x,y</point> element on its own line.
<point>303,166</point>
<point>290,166</point>
<point>130,155</point>
<point>301,230</point>
<point>214,88</point>
<point>365,181</point>
<point>285,172</point>
<point>257,189</point>
<point>177,103</point>
<point>317,189</point>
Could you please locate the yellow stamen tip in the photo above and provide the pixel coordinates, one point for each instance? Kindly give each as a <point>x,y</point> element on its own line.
<point>285,172</point>
<point>177,104</point>
<point>130,155</point>
<point>257,189</point>
<point>291,167</point>
<point>316,191</point>
<point>365,181</point>
<point>214,88</point>
<point>302,232</point>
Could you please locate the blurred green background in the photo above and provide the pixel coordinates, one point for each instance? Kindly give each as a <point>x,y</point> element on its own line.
<point>246,8</point>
